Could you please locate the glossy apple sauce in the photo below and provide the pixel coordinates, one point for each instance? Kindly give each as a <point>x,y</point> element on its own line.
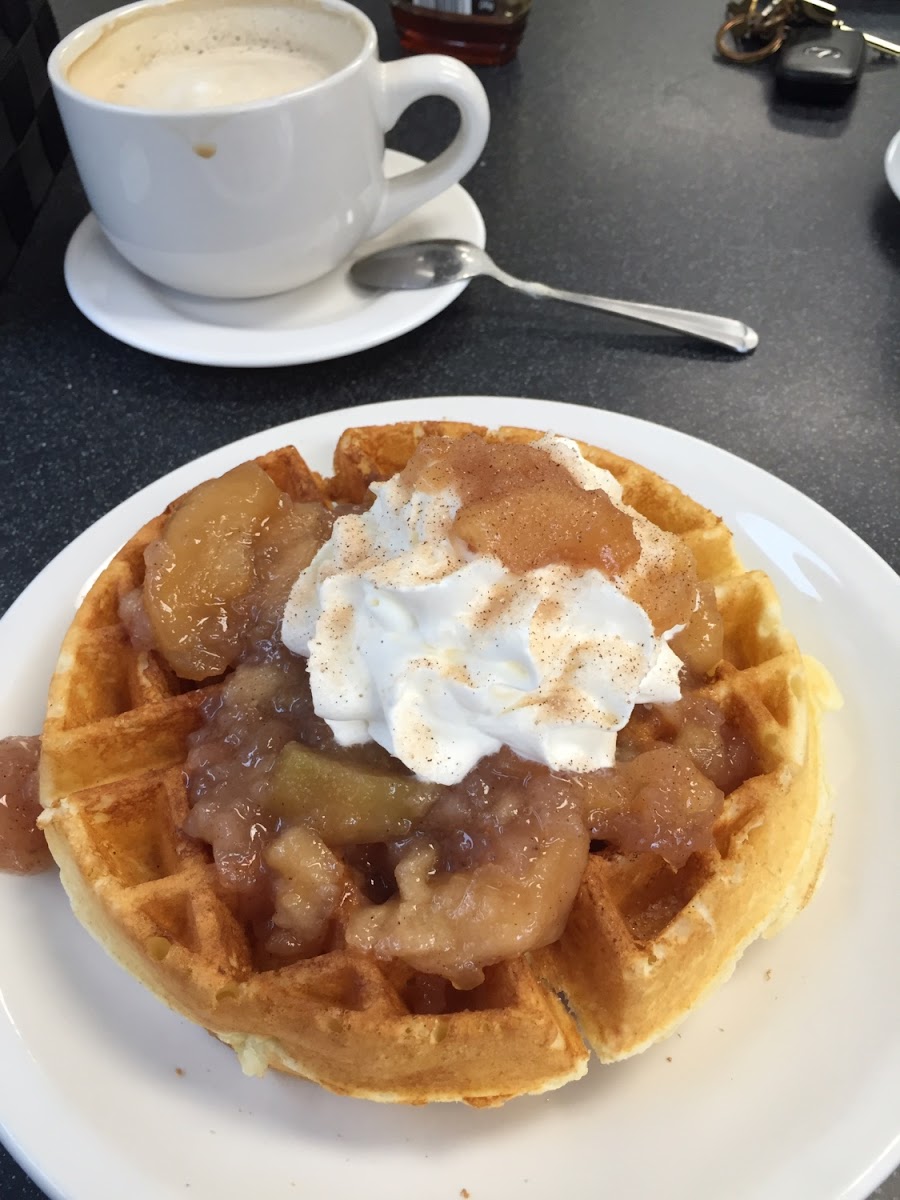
<point>522,506</point>
<point>23,847</point>
<point>449,879</point>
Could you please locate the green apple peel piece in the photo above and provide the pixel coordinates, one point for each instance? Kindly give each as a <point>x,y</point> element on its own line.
<point>346,803</point>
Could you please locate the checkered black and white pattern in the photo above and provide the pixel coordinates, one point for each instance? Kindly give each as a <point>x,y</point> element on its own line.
<point>32,142</point>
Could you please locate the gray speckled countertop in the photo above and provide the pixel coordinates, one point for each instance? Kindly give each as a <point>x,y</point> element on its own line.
<point>624,159</point>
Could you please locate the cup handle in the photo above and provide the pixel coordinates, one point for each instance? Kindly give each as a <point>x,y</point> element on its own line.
<point>400,83</point>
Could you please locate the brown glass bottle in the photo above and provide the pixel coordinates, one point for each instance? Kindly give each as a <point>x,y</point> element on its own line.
<point>484,33</point>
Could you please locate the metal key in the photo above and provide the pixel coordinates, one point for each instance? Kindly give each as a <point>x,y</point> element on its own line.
<point>759,17</point>
<point>824,13</point>
<point>754,29</point>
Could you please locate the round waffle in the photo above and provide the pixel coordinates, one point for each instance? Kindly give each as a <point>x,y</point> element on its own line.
<point>643,944</point>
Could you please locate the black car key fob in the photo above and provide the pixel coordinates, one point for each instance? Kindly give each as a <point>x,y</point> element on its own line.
<point>823,62</point>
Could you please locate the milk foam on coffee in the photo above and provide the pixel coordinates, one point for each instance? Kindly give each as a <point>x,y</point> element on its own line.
<point>198,55</point>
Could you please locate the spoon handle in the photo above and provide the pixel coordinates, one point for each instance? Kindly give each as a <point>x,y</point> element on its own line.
<point>725,332</point>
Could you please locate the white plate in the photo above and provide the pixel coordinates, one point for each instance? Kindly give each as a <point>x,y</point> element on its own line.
<point>326,319</point>
<point>782,1087</point>
<point>892,164</point>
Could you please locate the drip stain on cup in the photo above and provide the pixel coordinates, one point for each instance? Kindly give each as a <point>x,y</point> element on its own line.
<point>205,149</point>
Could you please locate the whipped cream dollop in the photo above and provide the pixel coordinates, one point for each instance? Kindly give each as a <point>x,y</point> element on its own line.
<point>442,655</point>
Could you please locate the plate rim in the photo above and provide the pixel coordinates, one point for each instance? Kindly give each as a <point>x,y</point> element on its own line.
<point>891,154</point>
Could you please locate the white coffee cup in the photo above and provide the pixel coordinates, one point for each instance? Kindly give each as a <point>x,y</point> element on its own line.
<point>214,193</point>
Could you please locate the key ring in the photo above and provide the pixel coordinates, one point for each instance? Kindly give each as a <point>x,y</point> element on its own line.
<point>728,49</point>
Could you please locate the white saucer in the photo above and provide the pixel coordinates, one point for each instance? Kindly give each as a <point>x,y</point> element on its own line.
<point>326,319</point>
<point>892,164</point>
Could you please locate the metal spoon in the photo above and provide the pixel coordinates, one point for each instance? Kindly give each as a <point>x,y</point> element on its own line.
<point>445,260</point>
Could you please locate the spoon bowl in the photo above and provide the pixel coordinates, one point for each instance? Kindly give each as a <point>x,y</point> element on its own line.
<point>418,265</point>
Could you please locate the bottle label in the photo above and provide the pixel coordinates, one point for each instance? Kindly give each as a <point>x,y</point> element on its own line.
<point>460,8</point>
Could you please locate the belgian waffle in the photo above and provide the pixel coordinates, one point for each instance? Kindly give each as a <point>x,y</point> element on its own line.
<point>642,946</point>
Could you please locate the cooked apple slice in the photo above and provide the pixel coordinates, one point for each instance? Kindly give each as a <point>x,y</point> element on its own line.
<point>346,803</point>
<point>201,565</point>
<point>529,527</point>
